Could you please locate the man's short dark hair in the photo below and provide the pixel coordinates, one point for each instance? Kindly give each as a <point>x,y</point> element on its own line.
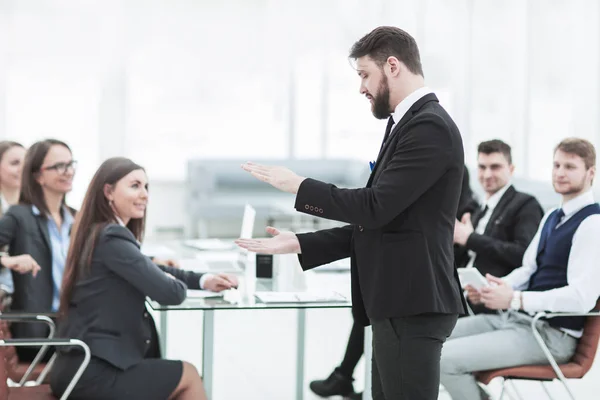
<point>495,146</point>
<point>389,41</point>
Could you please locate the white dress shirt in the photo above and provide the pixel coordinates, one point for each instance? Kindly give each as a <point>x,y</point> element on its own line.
<point>4,204</point>
<point>491,204</point>
<point>583,273</point>
<point>405,105</point>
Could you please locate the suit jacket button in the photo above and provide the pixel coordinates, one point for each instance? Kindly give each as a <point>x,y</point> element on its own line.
<point>145,315</point>
<point>147,341</point>
<point>312,208</point>
<point>360,228</point>
<point>306,207</point>
<point>321,210</point>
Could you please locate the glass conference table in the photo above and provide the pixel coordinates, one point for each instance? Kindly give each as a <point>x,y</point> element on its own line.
<point>209,306</point>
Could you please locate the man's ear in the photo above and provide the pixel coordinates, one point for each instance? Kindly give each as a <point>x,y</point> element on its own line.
<point>393,65</point>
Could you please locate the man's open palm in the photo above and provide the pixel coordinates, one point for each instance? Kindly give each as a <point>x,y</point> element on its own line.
<point>280,243</point>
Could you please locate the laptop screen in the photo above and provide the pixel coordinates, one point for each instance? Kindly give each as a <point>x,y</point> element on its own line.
<point>246,233</point>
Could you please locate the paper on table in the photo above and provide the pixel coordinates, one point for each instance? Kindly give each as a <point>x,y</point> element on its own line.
<point>209,244</point>
<point>202,294</point>
<point>300,297</point>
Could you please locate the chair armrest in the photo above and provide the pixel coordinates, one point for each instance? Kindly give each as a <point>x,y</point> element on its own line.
<point>32,318</point>
<point>540,340</point>
<point>28,314</point>
<point>20,317</point>
<point>56,342</point>
<point>544,314</point>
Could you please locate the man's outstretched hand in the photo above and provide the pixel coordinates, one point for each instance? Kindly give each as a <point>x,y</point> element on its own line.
<point>279,177</point>
<point>280,243</point>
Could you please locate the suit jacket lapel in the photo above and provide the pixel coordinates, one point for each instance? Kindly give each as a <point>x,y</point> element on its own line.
<point>43,227</point>
<point>407,117</point>
<point>496,216</point>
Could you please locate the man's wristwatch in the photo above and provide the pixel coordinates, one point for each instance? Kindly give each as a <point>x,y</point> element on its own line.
<point>515,303</point>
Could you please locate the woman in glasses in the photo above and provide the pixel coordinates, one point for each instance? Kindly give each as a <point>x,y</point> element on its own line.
<point>37,232</point>
<point>12,155</point>
<point>107,280</point>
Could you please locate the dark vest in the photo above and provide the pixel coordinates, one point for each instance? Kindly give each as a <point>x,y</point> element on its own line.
<point>553,259</point>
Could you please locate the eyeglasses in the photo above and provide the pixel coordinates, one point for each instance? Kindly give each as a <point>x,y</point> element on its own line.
<point>61,167</point>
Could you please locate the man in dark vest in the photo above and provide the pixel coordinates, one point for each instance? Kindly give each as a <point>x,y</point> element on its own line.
<point>559,274</point>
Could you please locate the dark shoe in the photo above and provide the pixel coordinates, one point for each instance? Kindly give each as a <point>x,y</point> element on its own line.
<point>336,385</point>
<point>355,396</point>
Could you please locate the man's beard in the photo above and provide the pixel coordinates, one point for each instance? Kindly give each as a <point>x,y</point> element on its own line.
<point>575,188</point>
<point>381,101</point>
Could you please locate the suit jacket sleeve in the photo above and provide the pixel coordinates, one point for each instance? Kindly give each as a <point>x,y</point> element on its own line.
<point>191,279</point>
<point>528,220</point>
<point>8,228</point>
<point>121,255</point>
<point>420,158</point>
<point>461,256</point>
<point>325,246</point>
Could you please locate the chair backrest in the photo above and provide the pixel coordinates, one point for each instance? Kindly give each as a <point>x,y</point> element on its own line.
<point>3,369</point>
<point>10,359</point>
<point>588,343</point>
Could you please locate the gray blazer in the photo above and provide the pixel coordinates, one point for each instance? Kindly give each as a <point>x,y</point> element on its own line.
<point>27,233</point>
<point>107,310</point>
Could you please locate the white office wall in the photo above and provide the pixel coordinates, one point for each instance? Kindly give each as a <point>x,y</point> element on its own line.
<point>161,81</point>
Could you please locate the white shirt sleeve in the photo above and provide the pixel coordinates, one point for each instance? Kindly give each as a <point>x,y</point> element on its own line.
<point>518,279</point>
<point>203,279</point>
<point>583,275</point>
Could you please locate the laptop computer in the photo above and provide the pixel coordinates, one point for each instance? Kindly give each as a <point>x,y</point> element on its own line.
<point>234,260</point>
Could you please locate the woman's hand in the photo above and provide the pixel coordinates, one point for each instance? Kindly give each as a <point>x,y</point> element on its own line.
<point>22,264</point>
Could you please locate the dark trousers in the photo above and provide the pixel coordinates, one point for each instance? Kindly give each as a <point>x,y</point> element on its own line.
<point>354,350</point>
<point>406,356</point>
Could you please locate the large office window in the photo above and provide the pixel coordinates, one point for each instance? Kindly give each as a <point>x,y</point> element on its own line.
<point>162,82</point>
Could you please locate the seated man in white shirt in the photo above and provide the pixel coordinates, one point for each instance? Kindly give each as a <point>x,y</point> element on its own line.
<point>560,273</point>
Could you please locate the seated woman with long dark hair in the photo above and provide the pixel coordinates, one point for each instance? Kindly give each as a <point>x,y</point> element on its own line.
<point>104,289</point>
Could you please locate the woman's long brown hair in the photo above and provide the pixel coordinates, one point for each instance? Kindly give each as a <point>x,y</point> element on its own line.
<point>94,215</point>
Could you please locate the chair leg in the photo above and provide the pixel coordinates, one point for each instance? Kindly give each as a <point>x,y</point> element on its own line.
<point>503,390</point>
<point>563,380</point>
<point>45,371</point>
<point>485,389</point>
<point>514,389</point>
<point>546,390</point>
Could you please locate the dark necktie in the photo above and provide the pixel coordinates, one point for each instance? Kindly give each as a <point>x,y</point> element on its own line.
<point>558,216</point>
<point>553,221</point>
<point>478,216</point>
<point>388,130</point>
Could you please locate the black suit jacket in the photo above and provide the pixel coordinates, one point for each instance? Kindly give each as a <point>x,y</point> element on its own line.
<point>466,202</point>
<point>107,310</point>
<point>27,233</point>
<point>400,237</point>
<point>511,227</point>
